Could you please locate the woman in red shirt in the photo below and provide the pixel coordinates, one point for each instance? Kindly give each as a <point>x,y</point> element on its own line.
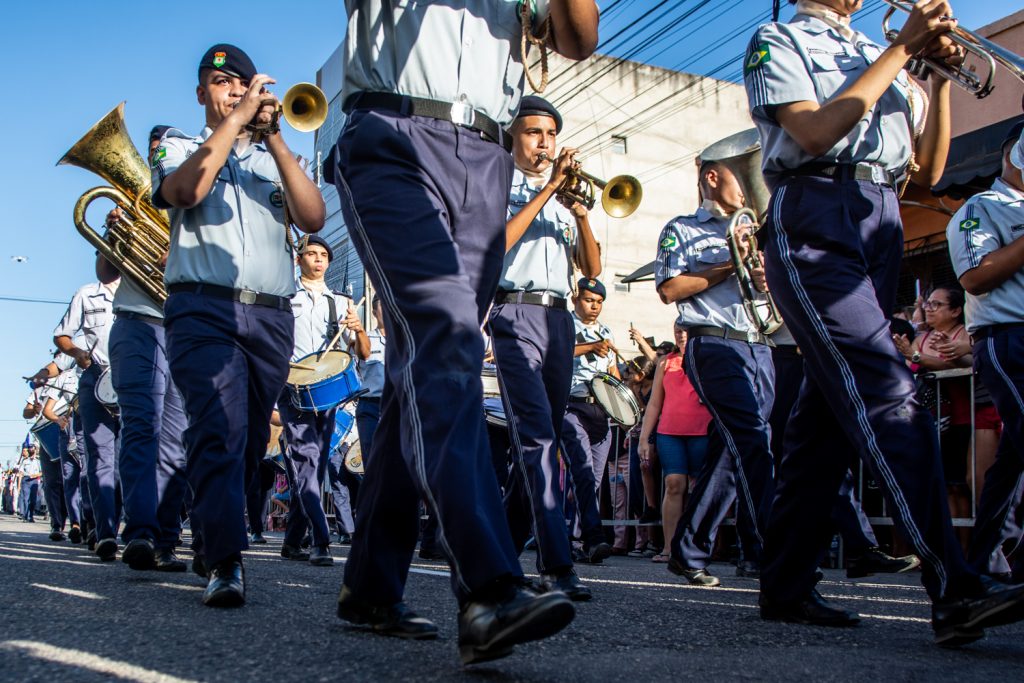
<point>680,422</point>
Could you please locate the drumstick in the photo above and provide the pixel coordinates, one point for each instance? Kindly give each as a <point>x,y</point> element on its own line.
<point>619,355</point>
<point>300,366</point>
<point>338,335</point>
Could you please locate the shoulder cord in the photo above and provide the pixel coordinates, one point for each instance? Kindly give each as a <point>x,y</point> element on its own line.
<point>540,41</point>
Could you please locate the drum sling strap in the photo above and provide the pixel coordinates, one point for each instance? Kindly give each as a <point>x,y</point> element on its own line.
<point>332,324</point>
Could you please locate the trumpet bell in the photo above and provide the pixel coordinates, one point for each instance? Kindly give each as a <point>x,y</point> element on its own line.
<point>621,196</point>
<point>304,107</point>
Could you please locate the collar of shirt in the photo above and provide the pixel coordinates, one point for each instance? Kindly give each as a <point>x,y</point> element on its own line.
<point>817,25</point>
<point>1002,187</point>
<point>828,16</point>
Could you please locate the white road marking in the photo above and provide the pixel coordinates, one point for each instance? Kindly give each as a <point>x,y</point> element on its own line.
<point>90,662</point>
<point>69,591</point>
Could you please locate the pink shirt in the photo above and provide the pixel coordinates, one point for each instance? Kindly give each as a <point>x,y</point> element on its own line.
<point>682,413</point>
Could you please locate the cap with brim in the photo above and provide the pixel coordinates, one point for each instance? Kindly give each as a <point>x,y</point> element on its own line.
<point>229,59</point>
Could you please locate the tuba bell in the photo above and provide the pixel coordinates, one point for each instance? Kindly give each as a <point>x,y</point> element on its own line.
<point>136,245</point>
<point>741,154</point>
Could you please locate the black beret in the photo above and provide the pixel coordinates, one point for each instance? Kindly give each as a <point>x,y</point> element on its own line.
<point>318,240</point>
<point>229,59</point>
<point>595,286</point>
<point>531,105</point>
<point>157,132</point>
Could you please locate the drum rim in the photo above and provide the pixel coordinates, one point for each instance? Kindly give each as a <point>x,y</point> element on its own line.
<point>620,388</point>
<point>350,368</point>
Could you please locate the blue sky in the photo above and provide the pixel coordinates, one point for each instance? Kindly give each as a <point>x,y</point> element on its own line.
<point>67,63</point>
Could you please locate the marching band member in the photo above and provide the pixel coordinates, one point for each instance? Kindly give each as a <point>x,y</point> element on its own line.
<point>64,387</point>
<point>308,434</point>
<point>586,434</point>
<point>48,438</point>
<point>729,363</point>
<point>228,314</point>
<point>371,376</point>
<point>423,180</point>
<point>837,116</point>
<point>986,245</point>
<point>531,333</point>
<point>90,314</point>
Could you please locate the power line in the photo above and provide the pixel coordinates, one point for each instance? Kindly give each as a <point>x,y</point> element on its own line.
<point>32,301</point>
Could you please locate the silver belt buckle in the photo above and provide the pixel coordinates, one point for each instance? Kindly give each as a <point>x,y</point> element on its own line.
<point>462,114</point>
<point>878,175</point>
<point>247,297</point>
<point>753,336</point>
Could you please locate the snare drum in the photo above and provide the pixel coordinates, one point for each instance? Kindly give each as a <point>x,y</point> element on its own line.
<point>489,380</point>
<point>343,423</point>
<point>324,383</point>
<point>616,399</point>
<point>105,393</point>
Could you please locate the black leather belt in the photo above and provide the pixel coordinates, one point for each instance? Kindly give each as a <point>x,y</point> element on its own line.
<point>132,315</point>
<point>862,171</point>
<point>582,399</point>
<point>726,333</point>
<point>458,113</point>
<point>989,330</point>
<point>540,299</point>
<point>243,296</point>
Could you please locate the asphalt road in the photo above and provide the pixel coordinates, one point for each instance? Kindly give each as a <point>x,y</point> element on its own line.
<point>65,616</point>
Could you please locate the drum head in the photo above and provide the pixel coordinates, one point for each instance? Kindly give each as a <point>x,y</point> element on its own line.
<point>105,393</point>
<point>330,364</point>
<point>616,399</point>
<point>343,423</point>
<point>354,460</point>
<point>489,379</point>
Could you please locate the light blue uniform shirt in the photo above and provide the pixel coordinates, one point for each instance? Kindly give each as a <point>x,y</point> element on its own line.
<point>988,221</point>
<point>235,237</point>
<point>453,51</point>
<point>541,260</point>
<point>807,60</point>
<point>313,316</point>
<point>132,299</point>
<point>90,313</point>
<point>371,370</point>
<point>692,244</point>
<point>589,364</point>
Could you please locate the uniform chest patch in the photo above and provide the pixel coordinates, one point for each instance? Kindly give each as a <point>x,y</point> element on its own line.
<point>757,58</point>
<point>277,198</point>
<point>970,224</point>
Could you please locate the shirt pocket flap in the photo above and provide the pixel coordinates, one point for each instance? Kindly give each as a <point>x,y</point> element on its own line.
<point>827,61</point>
<point>712,251</point>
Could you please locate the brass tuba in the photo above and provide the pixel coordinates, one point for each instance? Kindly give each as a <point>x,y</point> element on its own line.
<point>136,245</point>
<point>741,154</point>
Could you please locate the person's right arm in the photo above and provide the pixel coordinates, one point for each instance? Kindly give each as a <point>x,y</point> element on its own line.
<point>574,28</point>
<point>686,285</point>
<point>69,325</point>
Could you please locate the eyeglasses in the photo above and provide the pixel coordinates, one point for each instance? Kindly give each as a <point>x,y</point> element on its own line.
<point>934,305</point>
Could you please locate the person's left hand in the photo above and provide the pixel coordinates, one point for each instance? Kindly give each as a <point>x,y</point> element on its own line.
<point>352,321</point>
<point>578,210</point>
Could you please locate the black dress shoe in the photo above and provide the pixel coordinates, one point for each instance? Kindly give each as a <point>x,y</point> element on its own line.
<point>957,622</point>
<point>57,535</point>
<point>227,585</point>
<point>430,554</point>
<point>321,557</point>
<point>344,538</point>
<point>568,583</point>
<point>874,561</point>
<point>106,549</point>
<point>167,561</point>
<point>257,539</point>
<point>597,553</point>
<point>139,554</point>
<point>199,565</point>
<point>397,620</point>
<point>813,610</point>
<point>696,577</point>
<point>290,552</point>
<point>75,535</point>
<point>748,570</point>
<point>490,628</point>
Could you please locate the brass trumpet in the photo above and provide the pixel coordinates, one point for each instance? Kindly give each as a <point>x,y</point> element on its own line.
<point>989,52</point>
<point>620,196</point>
<point>304,107</point>
<point>741,154</point>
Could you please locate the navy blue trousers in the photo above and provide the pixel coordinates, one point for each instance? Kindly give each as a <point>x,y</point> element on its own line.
<point>586,442</point>
<point>230,362</point>
<point>53,476</point>
<point>833,257</point>
<point>29,496</point>
<point>533,350</point>
<point>151,458</point>
<point>257,494</point>
<point>71,473</point>
<point>341,491</point>
<point>81,456</point>
<point>999,361</point>
<point>735,380</point>
<point>100,430</point>
<point>847,514</point>
<point>367,417</point>
<point>308,439</point>
<point>425,203</point>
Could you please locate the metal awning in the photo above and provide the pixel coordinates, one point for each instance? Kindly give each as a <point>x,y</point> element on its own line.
<point>641,274</point>
<point>974,160</point>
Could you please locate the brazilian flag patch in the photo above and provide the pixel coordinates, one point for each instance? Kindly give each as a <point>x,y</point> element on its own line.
<point>970,224</point>
<point>758,57</point>
<point>670,241</point>
<point>158,154</point>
